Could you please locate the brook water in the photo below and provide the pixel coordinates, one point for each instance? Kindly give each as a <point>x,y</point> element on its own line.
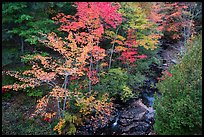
<point>136,116</point>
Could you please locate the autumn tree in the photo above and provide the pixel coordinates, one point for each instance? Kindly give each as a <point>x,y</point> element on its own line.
<point>132,29</point>
<point>191,16</point>
<point>80,56</point>
<point>137,30</point>
<point>174,19</point>
<point>90,20</point>
<point>21,24</point>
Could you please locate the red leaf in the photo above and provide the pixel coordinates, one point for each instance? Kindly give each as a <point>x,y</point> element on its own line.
<point>4,90</point>
<point>47,119</point>
<point>142,56</point>
<point>168,73</point>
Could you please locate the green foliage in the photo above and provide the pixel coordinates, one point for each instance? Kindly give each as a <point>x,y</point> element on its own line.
<point>21,68</point>
<point>136,18</point>
<point>179,110</point>
<point>135,81</point>
<point>35,93</point>
<point>44,54</point>
<point>114,83</point>
<point>72,129</point>
<point>143,65</point>
<point>24,22</point>
<point>22,18</point>
<point>16,121</point>
<point>73,107</point>
<point>119,84</point>
<point>9,55</point>
<point>71,120</point>
<point>66,125</point>
<point>6,96</point>
<point>126,93</point>
<point>28,19</point>
<point>28,57</point>
<point>7,80</point>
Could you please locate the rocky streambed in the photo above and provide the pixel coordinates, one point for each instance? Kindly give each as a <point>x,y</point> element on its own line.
<point>136,117</point>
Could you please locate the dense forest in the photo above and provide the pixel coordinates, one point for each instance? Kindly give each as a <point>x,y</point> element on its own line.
<point>101,68</point>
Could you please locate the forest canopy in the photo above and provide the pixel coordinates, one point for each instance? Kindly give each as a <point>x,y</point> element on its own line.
<point>76,59</point>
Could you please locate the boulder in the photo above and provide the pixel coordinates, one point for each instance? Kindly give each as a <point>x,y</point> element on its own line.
<point>137,128</point>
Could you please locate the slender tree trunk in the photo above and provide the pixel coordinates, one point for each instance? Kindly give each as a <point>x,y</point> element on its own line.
<point>110,61</point>
<point>191,20</point>
<point>91,65</point>
<point>185,36</point>
<point>22,46</point>
<point>190,24</point>
<point>58,107</point>
<point>91,60</point>
<point>188,29</point>
<point>65,87</point>
<point>97,62</point>
<point>112,48</point>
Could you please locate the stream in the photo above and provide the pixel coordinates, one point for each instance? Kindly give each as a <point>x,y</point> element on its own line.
<point>136,116</point>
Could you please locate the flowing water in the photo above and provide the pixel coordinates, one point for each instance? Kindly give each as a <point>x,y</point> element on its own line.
<point>133,117</point>
<point>147,97</point>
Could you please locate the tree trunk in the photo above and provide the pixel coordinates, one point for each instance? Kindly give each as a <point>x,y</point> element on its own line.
<point>65,87</point>
<point>112,48</point>
<point>22,46</point>
<point>91,65</point>
<point>58,107</point>
<point>97,62</point>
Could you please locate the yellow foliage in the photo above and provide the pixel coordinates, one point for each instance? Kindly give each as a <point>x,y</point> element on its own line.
<point>120,37</point>
<point>86,104</point>
<point>60,126</point>
<point>66,125</point>
<point>109,33</point>
<point>120,48</point>
<point>71,130</point>
<point>149,42</point>
<point>72,119</point>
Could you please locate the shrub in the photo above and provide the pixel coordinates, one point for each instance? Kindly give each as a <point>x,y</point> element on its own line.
<point>66,126</point>
<point>6,80</point>
<point>9,55</point>
<point>144,65</point>
<point>179,110</point>
<point>136,80</point>
<point>119,84</point>
<point>37,92</point>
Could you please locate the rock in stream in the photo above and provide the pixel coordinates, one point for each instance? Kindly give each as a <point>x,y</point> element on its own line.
<point>132,120</point>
